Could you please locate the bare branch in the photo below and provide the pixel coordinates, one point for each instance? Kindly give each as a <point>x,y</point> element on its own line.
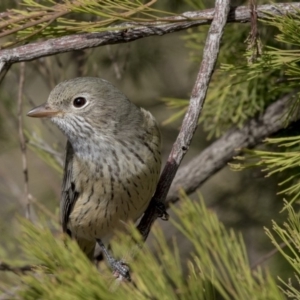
<point>190,121</point>
<point>6,267</point>
<point>114,61</point>
<point>134,31</point>
<point>218,154</point>
<point>254,43</point>
<point>22,139</point>
<point>267,256</point>
<point>43,208</point>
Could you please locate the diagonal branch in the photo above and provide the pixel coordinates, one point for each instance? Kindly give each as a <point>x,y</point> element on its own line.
<point>190,121</point>
<point>219,153</point>
<point>6,267</point>
<point>134,31</point>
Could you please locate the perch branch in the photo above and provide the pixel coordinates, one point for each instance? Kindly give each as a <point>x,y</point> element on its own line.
<point>190,121</point>
<point>22,269</point>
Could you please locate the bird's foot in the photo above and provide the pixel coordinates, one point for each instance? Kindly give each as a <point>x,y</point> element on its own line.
<point>119,267</point>
<point>161,210</point>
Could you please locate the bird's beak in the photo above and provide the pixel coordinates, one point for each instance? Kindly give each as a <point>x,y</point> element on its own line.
<point>42,111</point>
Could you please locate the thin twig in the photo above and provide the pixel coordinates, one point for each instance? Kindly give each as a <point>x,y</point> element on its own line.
<point>40,144</point>
<point>125,59</point>
<point>113,58</point>
<point>6,267</point>
<point>22,139</point>
<point>80,59</point>
<point>268,256</point>
<point>254,44</point>
<point>45,17</point>
<point>43,208</point>
<point>190,121</point>
<point>42,67</point>
<point>134,31</point>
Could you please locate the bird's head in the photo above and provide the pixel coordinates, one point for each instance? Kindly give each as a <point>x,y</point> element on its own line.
<point>85,105</point>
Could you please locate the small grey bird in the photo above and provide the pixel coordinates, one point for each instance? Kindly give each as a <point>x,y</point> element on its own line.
<point>112,160</point>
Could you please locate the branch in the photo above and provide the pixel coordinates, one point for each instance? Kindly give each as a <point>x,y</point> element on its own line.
<point>22,139</point>
<point>267,256</point>
<point>22,269</point>
<point>190,121</point>
<point>220,152</point>
<point>134,31</point>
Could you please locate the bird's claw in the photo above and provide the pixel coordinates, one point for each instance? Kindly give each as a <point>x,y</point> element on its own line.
<point>162,212</point>
<point>120,269</point>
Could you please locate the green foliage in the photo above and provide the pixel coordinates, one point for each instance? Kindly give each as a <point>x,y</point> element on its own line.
<point>62,268</point>
<point>219,265</point>
<point>221,255</point>
<point>278,70</point>
<point>48,18</point>
<point>288,27</point>
<point>289,234</point>
<point>243,87</point>
<point>232,100</point>
<point>285,163</point>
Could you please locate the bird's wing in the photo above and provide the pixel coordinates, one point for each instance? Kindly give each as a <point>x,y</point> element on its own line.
<point>68,193</point>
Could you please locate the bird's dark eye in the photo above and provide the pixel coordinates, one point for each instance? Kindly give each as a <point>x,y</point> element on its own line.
<point>79,102</point>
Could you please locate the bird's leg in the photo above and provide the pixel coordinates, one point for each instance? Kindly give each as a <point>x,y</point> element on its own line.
<point>118,266</point>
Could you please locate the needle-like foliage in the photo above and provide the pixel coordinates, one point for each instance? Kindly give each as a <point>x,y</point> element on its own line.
<point>284,162</point>
<point>289,234</point>
<point>218,267</point>
<point>37,19</point>
<point>246,83</point>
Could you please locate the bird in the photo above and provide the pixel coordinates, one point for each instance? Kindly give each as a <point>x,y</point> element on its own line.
<point>112,162</point>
